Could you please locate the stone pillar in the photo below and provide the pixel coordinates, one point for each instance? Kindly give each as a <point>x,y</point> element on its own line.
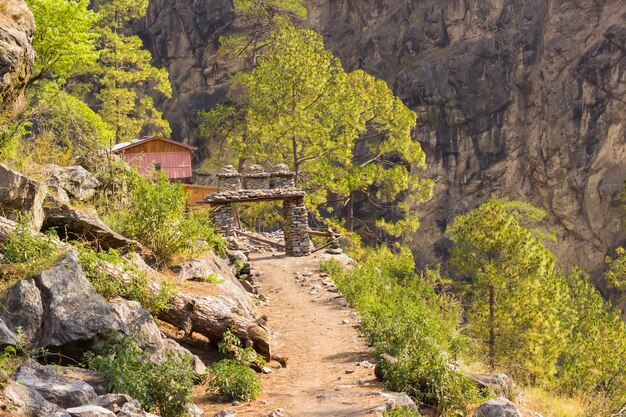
<point>255,178</point>
<point>297,242</point>
<point>282,177</point>
<point>225,220</point>
<point>228,179</point>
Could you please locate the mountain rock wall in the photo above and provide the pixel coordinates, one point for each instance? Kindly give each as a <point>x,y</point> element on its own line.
<point>17,55</point>
<point>520,99</point>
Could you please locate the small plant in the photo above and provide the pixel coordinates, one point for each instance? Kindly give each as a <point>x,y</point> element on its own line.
<point>234,380</point>
<point>164,387</point>
<point>8,364</point>
<point>23,245</point>
<point>134,288</point>
<point>231,346</point>
<point>401,412</point>
<point>213,278</point>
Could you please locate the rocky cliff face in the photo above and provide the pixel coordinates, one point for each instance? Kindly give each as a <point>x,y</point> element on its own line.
<point>523,99</point>
<point>17,55</point>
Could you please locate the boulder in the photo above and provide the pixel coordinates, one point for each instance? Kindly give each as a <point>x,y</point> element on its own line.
<point>75,181</point>
<point>72,223</point>
<point>193,269</point>
<point>133,409</point>
<point>113,402</point>
<point>499,407</point>
<point>96,380</point>
<point>500,384</point>
<point>59,414</point>
<point>75,314</point>
<point>57,389</point>
<point>7,337</point>
<point>397,400</point>
<point>21,195</point>
<point>24,310</point>
<point>136,320</point>
<point>89,411</point>
<point>17,54</point>
<point>28,401</point>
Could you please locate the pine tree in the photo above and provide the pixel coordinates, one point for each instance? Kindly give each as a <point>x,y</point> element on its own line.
<point>340,132</point>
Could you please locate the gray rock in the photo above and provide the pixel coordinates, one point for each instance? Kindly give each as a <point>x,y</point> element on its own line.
<point>113,402</point>
<point>89,411</point>
<point>7,337</point>
<point>17,54</point>
<point>499,407</point>
<point>21,195</point>
<point>195,411</point>
<point>77,224</point>
<point>279,412</point>
<point>96,380</point>
<point>136,320</point>
<point>133,409</point>
<point>28,401</point>
<point>500,384</point>
<point>24,309</point>
<point>76,313</point>
<point>55,388</point>
<point>397,400</point>
<point>194,269</point>
<point>75,180</point>
<point>59,414</point>
<point>226,413</point>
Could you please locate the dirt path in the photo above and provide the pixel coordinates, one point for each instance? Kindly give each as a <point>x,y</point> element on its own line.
<point>327,372</point>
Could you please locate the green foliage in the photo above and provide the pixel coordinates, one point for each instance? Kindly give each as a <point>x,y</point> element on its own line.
<point>404,317</point>
<point>401,412</point>
<point>257,19</point>
<point>592,361</point>
<point>231,346</point>
<point>616,272</point>
<point>134,287</point>
<point>124,75</point>
<point>234,380</point>
<point>8,364</point>
<point>64,39</point>
<point>340,132</point>
<point>165,387</point>
<point>23,244</point>
<point>514,296</point>
<point>155,218</point>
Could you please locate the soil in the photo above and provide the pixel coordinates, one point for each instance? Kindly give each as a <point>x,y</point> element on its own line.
<point>330,370</point>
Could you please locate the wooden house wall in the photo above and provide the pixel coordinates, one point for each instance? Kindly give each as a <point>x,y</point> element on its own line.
<point>155,146</point>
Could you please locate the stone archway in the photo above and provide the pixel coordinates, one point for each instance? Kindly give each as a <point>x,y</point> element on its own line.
<point>255,184</point>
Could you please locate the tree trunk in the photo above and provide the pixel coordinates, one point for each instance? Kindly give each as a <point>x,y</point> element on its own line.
<point>209,316</point>
<point>492,333</point>
<point>350,213</point>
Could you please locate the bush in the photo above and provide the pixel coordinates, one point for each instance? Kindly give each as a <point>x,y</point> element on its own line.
<point>234,380</point>
<point>23,245</point>
<point>155,218</point>
<point>165,387</point>
<point>401,412</point>
<point>404,317</point>
<point>109,287</point>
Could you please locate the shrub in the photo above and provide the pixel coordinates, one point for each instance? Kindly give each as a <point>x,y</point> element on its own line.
<point>165,387</point>
<point>404,317</point>
<point>23,245</point>
<point>234,380</point>
<point>401,412</point>
<point>109,287</point>
<point>155,217</point>
<point>231,346</point>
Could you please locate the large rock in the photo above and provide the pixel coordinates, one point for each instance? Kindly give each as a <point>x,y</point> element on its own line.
<point>500,384</point>
<point>78,224</point>
<point>24,310</point>
<point>27,401</point>
<point>21,195</point>
<point>17,54</point>
<point>89,411</point>
<point>133,409</point>
<point>74,180</point>
<point>75,314</point>
<point>7,337</point>
<point>500,407</point>
<point>136,320</point>
<point>522,99</point>
<point>55,388</point>
<point>113,402</point>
